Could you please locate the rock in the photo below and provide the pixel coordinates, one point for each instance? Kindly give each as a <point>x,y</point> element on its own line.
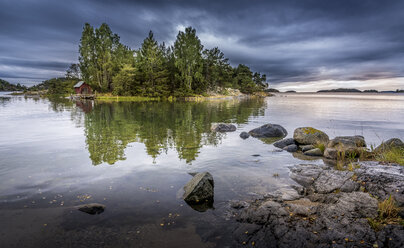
<point>348,146</point>
<point>285,142</point>
<point>223,127</point>
<point>331,153</point>
<point>269,131</point>
<point>390,144</point>
<point>320,180</point>
<point>314,152</point>
<point>239,204</point>
<point>199,189</point>
<point>290,148</point>
<point>91,208</point>
<point>383,181</point>
<point>310,136</point>
<point>244,135</point>
<point>331,180</point>
<point>306,148</point>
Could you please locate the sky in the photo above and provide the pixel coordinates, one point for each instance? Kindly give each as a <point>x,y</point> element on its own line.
<point>302,45</point>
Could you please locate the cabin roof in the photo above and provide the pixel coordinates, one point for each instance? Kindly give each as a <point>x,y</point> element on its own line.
<point>79,84</point>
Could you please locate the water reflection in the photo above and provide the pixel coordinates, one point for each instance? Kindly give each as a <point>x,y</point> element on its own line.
<point>4,101</point>
<point>184,126</point>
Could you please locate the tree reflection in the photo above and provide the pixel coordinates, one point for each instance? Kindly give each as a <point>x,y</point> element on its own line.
<point>183,126</point>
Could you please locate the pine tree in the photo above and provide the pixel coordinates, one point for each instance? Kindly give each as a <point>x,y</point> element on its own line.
<point>87,55</point>
<point>217,71</point>
<point>188,60</point>
<point>151,68</point>
<point>101,56</point>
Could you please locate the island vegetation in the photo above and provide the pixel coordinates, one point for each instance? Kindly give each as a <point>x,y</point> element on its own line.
<point>157,70</point>
<point>340,90</point>
<point>6,86</point>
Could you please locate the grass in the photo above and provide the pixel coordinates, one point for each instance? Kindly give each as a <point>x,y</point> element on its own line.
<point>394,155</point>
<point>126,98</point>
<point>321,147</point>
<point>196,98</point>
<point>387,214</point>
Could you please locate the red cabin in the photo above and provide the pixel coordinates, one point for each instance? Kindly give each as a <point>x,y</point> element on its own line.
<point>81,88</point>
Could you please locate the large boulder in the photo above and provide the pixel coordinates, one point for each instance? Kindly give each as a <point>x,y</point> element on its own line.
<point>390,144</point>
<point>285,142</point>
<point>269,131</point>
<point>223,127</point>
<point>345,146</point>
<point>199,189</point>
<point>310,136</point>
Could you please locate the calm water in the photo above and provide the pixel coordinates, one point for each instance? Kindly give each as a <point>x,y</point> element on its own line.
<point>136,157</point>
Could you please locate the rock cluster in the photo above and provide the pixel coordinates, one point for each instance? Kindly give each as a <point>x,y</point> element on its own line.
<point>313,142</point>
<point>306,139</point>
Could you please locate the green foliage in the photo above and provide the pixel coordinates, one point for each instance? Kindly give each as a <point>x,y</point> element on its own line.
<point>6,86</point>
<point>217,71</point>
<point>56,86</point>
<point>151,74</point>
<point>124,83</point>
<point>387,214</point>
<point>189,62</point>
<point>394,155</point>
<point>73,72</point>
<point>184,69</point>
<point>102,56</point>
<point>321,147</point>
<point>243,79</point>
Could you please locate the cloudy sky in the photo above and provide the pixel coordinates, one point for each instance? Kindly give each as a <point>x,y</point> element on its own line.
<point>302,45</point>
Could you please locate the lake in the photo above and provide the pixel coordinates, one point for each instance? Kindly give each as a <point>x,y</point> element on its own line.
<point>135,158</point>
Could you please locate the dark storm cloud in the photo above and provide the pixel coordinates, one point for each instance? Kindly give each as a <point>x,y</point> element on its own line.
<point>290,41</point>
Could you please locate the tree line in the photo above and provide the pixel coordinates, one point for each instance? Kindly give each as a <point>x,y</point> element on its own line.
<point>157,70</point>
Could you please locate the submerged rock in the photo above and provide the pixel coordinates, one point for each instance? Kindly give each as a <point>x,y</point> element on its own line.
<point>345,146</point>
<point>290,148</point>
<point>390,144</point>
<point>199,189</point>
<point>244,135</point>
<point>269,131</point>
<point>310,136</point>
<point>223,127</point>
<point>91,208</point>
<point>285,142</point>
<point>314,152</point>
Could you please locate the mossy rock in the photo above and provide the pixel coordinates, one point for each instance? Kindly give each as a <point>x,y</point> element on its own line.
<point>310,136</point>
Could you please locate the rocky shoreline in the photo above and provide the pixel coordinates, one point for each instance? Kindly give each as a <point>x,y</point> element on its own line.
<point>328,207</point>
<point>331,208</point>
